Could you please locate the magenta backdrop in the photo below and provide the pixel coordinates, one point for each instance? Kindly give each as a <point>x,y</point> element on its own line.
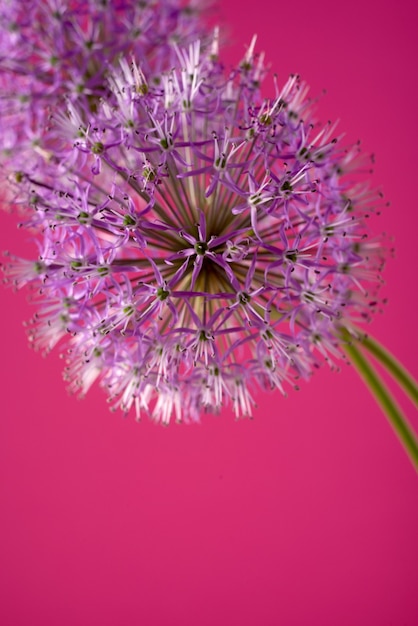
<point>308,514</point>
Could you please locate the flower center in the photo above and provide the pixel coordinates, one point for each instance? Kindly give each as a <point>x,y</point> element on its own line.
<point>201,248</point>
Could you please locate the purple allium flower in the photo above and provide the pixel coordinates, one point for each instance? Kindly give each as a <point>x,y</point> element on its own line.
<point>54,52</point>
<point>196,239</point>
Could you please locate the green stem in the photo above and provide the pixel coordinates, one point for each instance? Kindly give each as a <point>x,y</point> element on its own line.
<point>383,397</point>
<point>397,371</point>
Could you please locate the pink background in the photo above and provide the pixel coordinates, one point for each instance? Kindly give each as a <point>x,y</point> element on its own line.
<point>308,514</point>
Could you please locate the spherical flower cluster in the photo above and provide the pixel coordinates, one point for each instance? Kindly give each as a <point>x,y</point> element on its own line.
<point>54,52</point>
<point>196,240</point>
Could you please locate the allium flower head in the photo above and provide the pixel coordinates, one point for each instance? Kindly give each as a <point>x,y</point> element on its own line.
<point>58,51</point>
<point>196,239</point>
